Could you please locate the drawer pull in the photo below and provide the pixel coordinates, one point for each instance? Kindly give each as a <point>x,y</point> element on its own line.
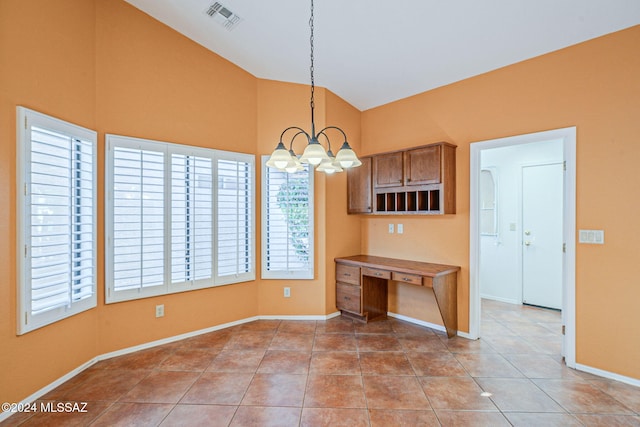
<point>347,298</point>
<point>378,274</point>
<point>406,279</point>
<point>347,274</point>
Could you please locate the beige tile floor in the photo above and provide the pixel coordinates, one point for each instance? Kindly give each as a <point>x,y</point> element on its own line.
<point>341,373</point>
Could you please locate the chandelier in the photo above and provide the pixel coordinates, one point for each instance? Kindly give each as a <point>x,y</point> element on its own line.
<point>314,153</point>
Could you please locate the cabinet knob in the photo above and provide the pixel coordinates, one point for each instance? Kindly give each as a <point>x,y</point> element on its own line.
<point>347,298</point>
<point>406,279</point>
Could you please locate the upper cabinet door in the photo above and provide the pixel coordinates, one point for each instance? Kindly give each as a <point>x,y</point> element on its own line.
<point>359,188</point>
<point>422,166</point>
<point>387,170</point>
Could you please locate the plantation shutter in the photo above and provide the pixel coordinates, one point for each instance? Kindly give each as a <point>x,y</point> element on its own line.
<point>235,218</point>
<point>287,224</point>
<point>138,218</point>
<point>191,218</point>
<point>59,220</point>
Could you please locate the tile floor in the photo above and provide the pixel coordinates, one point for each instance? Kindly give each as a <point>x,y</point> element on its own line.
<point>341,373</point>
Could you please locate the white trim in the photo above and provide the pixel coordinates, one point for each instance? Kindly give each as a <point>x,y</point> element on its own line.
<point>46,389</point>
<point>568,137</point>
<point>49,387</point>
<point>417,321</point>
<point>301,317</point>
<point>174,338</point>
<point>506,300</point>
<point>609,375</point>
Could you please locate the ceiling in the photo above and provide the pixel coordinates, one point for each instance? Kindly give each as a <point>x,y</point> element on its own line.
<point>371,52</point>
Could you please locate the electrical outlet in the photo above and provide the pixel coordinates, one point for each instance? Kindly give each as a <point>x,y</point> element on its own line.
<point>390,228</point>
<point>400,228</point>
<point>287,292</point>
<point>160,310</point>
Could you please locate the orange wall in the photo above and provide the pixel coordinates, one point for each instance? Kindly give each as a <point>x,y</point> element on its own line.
<point>343,231</point>
<point>105,65</point>
<point>281,105</point>
<point>593,86</point>
<point>154,83</point>
<point>46,63</point>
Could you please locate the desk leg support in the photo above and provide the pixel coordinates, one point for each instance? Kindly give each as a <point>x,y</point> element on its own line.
<point>445,289</point>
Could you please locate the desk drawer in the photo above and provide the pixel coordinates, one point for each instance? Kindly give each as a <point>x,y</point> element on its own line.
<point>407,278</point>
<point>348,274</point>
<point>374,272</point>
<point>348,297</point>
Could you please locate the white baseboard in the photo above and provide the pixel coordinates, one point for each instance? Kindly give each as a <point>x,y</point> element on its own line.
<point>301,317</point>
<point>417,321</point>
<point>608,375</point>
<point>46,389</point>
<point>174,338</point>
<point>426,324</point>
<point>500,299</point>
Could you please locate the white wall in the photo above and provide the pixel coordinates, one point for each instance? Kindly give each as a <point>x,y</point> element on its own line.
<point>500,265</point>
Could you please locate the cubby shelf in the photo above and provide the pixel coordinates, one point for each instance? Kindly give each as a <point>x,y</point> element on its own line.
<point>419,181</point>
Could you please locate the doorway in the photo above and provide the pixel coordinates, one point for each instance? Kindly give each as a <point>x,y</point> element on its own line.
<point>510,231</point>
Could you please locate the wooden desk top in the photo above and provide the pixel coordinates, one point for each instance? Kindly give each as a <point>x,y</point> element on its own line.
<point>402,265</point>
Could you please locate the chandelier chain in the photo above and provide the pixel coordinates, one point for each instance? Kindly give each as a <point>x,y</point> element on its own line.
<point>311,67</point>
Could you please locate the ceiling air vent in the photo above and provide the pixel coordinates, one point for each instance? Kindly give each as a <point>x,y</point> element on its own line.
<point>223,16</point>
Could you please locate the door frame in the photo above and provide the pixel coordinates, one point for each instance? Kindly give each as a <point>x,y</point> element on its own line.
<point>568,137</point>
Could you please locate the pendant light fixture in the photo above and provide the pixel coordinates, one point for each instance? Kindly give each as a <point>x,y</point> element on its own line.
<point>314,153</point>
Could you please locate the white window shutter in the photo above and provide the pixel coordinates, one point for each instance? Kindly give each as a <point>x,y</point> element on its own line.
<point>138,218</point>
<point>168,226</point>
<point>57,178</point>
<point>191,218</point>
<point>235,218</point>
<point>287,224</point>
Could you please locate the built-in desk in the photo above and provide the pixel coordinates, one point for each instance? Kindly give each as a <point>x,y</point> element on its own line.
<point>361,286</point>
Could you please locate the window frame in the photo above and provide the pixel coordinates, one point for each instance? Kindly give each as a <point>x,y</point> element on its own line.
<point>168,287</point>
<point>26,120</point>
<point>266,273</point>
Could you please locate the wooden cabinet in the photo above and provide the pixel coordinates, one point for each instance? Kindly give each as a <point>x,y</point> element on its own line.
<point>348,291</point>
<point>422,165</point>
<point>388,170</point>
<point>420,180</point>
<point>359,188</point>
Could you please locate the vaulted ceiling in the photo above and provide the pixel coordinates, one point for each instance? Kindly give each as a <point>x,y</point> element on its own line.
<point>371,52</point>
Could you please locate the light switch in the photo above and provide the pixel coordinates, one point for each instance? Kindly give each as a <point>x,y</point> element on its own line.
<point>594,237</point>
<point>390,228</point>
<point>400,228</point>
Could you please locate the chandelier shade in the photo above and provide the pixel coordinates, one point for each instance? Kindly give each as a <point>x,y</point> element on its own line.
<point>314,153</point>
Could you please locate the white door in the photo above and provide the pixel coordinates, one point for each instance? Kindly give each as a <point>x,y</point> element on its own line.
<point>542,197</point>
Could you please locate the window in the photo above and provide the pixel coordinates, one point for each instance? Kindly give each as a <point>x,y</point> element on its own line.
<point>488,208</point>
<point>170,228</point>
<point>56,219</point>
<point>287,223</point>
